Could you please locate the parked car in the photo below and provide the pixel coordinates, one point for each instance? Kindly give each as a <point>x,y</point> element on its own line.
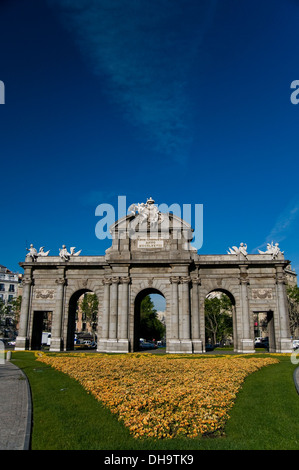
<point>147,345</point>
<point>262,344</point>
<point>209,347</point>
<point>296,344</point>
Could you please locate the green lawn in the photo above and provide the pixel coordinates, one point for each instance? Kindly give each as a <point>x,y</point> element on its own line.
<point>66,417</point>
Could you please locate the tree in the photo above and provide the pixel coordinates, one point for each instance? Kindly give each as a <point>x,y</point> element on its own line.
<point>15,309</point>
<point>293,303</point>
<point>89,307</point>
<point>150,325</point>
<point>9,315</point>
<point>3,313</point>
<point>218,318</point>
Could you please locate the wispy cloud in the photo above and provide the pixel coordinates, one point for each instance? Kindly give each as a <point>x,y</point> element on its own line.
<point>143,51</point>
<point>284,224</point>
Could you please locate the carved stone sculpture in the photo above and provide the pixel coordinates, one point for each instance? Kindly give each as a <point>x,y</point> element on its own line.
<point>236,251</point>
<point>272,249</point>
<point>73,251</point>
<point>33,254</point>
<point>147,212</point>
<point>42,252</point>
<point>65,255</point>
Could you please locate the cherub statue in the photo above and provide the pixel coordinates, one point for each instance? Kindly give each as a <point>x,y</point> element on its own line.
<point>32,253</point>
<point>64,254</point>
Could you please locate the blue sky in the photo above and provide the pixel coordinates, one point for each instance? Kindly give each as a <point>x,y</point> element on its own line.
<point>185,101</point>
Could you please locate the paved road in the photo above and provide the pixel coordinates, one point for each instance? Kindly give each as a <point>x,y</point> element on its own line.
<point>15,408</point>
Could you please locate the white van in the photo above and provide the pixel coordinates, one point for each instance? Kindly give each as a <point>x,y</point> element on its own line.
<point>46,338</point>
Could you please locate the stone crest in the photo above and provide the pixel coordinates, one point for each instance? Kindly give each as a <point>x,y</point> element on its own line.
<point>44,294</point>
<point>262,293</point>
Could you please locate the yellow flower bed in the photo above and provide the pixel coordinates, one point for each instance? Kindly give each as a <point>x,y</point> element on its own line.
<point>162,396</point>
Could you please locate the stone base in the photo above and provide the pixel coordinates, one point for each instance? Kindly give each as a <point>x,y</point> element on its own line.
<point>246,346</point>
<point>55,345</point>
<point>172,346</point>
<point>197,346</point>
<point>284,346</point>
<point>101,346</point>
<point>176,346</point>
<point>21,343</point>
<point>113,346</point>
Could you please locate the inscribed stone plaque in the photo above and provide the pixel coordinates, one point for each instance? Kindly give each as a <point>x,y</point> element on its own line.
<point>150,243</point>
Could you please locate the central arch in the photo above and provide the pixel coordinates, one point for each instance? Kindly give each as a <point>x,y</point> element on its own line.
<point>137,308</point>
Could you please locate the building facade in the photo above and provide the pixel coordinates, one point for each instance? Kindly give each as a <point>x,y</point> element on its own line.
<point>151,253</point>
<point>9,283</point>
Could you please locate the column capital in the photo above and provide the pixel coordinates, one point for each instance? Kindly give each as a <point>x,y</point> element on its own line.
<point>60,281</point>
<point>175,280</point>
<point>125,280</point>
<point>115,280</point>
<point>185,280</point>
<point>280,280</point>
<point>196,281</point>
<point>26,281</point>
<point>244,279</point>
<point>106,281</point>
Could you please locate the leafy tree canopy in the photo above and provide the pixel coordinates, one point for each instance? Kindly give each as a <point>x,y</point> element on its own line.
<point>150,326</point>
<point>218,318</point>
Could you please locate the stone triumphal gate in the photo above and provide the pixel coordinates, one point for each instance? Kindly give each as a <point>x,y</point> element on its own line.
<point>151,253</point>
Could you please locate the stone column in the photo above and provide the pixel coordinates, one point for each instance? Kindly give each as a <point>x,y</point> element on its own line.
<point>246,343</point>
<point>283,345</point>
<point>123,310</point>
<point>186,345</point>
<point>103,331</point>
<point>57,316</point>
<point>174,333</point>
<point>113,308</point>
<point>195,325</point>
<point>172,342</point>
<point>22,339</point>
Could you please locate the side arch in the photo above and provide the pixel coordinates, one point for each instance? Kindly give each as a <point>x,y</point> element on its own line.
<point>71,315</point>
<point>232,293</point>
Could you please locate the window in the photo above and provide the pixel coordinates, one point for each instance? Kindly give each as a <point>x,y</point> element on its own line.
<point>2,287</point>
<point>11,288</point>
<point>10,297</point>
